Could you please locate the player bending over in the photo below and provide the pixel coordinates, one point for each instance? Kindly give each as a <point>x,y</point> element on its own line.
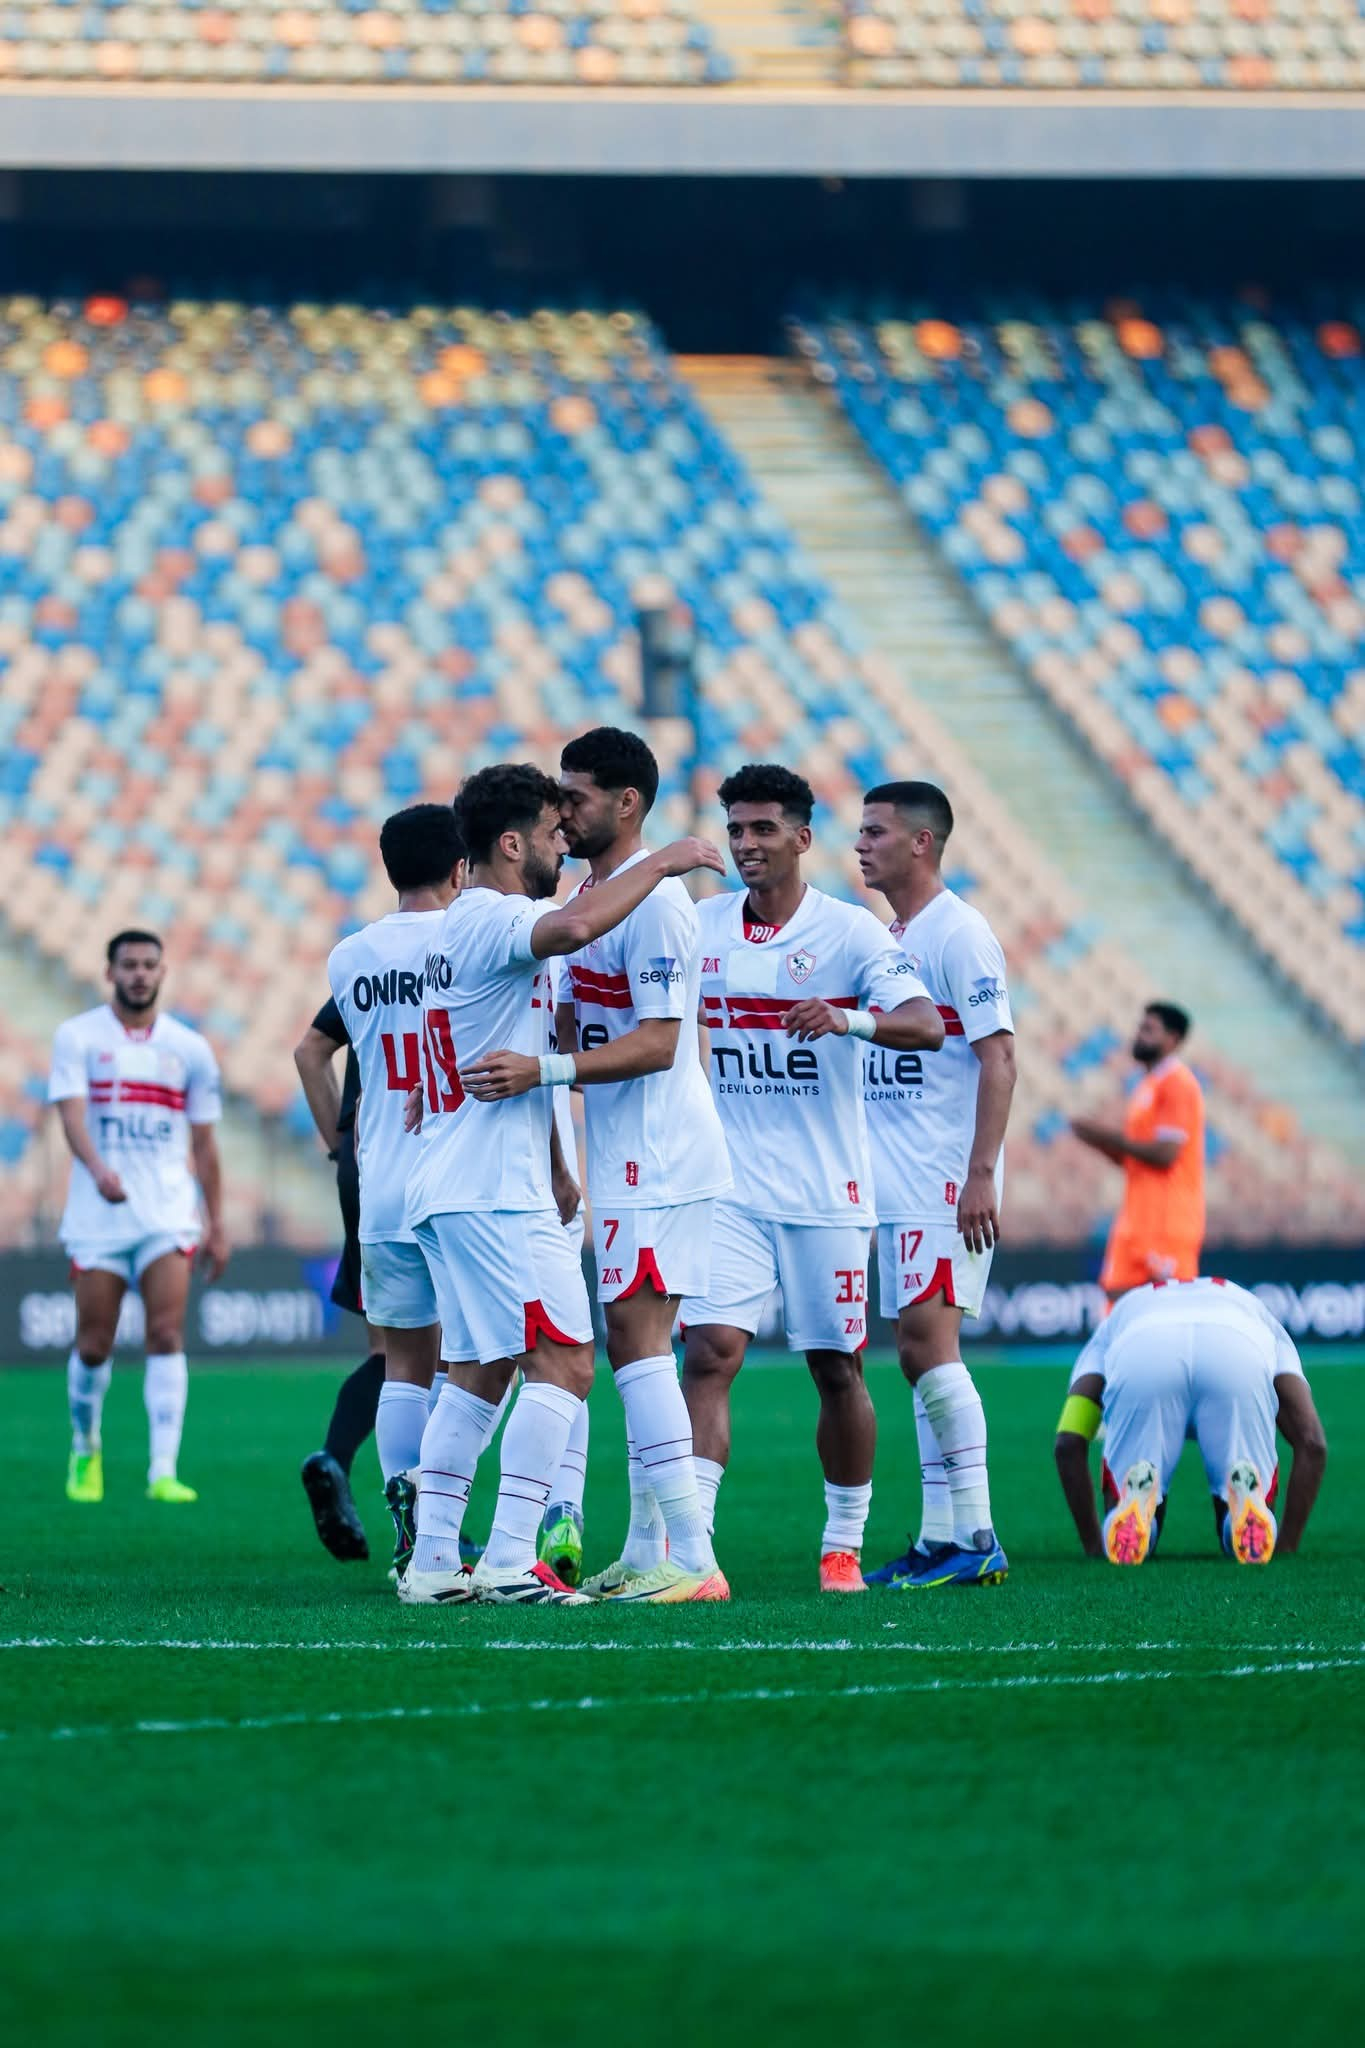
<point>132,1088</point>
<point>937,1131</point>
<point>789,980</point>
<point>508,1284</point>
<point>1198,1358</point>
<point>656,1155</point>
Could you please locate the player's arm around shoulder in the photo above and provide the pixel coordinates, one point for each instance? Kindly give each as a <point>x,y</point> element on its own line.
<point>594,912</point>
<point>1077,1427</point>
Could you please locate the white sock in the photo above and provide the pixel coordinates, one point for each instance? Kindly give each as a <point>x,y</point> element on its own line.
<point>498,1410</point>
<point>437,1388</point>
<point>661,1430</point>
<point>845,1517</point>
<point>572,1476</point>
<point>86,1387</point>
<point>399,1423</point>
<point>647,1537</point>
<point>533,1444</point>
<point>165,1387</point>
<point>456,1432</point>
<point>958,1421</point>
<point>936,1514</point>
<point>709,1475</point>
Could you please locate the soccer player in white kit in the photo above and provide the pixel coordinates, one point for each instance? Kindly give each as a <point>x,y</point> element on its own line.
<point>133,1090</point>
<point>790,979</point>
<point>937,1129</point>
<point>508,1283</point>
<point>375,977</point>
<point>1201,1359</point>
<point>656,1157</point>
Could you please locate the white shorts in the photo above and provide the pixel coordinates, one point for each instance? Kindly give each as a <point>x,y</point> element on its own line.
<point>666,1249</point>
<point>396,1291</point>
<point>503,1279</point>
<point>918,1259</point>
<point>820,1267</point>
<point>130,1261</point>
<point>1170,1381</point>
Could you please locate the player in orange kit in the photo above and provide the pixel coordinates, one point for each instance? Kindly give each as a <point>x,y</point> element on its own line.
<point>1159,1230</point>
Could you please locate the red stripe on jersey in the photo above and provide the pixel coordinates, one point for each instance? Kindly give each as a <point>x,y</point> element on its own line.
<point>151,1092</point>
<point>602,991</point>
<point>952,1023</point>
<point>592,977</point>
<point>770,1013</point>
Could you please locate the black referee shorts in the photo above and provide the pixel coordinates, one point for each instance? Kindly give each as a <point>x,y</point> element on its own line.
<point>346,1287</point>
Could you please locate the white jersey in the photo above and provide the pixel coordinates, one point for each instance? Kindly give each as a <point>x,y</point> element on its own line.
<point>484,991</point>
<point>793,1114</point>
<point>143,1088</point>
<point>376,980</point>
<point>656,1141</point>
<point>1173,1304</point>
<point>921,1107</point>
<point>563,1097</point>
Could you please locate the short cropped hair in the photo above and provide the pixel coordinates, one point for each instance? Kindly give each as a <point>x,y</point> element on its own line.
<point>925,799</point>
<point>616,760</point>
<point>765,782</point>
<point>420,846</point>
<point>507,798</point>
<point>132,937</point>
<point>1172,1018</point>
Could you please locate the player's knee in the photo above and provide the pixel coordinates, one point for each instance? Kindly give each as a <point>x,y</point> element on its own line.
<point>165,1334</point>
<point>835,1372</point>
<point>94,1347</point>
<point>712,1354</point>
<point>563,1365</point>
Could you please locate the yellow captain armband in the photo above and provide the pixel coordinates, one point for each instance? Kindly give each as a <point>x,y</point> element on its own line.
<point>1079,1417</point>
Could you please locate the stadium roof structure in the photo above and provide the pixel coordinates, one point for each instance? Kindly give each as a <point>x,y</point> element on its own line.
<point>730,131</point>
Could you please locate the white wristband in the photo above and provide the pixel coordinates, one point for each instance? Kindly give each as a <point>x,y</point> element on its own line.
<point>557,1069</point>
<point>861,1024</point>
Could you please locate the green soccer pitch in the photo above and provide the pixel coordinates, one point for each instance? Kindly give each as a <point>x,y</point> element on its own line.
<point>246,1798</point>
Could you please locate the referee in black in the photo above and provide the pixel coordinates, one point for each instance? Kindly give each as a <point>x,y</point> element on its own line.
<point>326,1474</point>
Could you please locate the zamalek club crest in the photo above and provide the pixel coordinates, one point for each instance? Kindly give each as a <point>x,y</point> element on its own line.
<point>800,966</point>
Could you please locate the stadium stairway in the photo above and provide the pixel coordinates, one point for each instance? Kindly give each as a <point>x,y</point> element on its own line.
<point>267,1172</point>
<point>777,42</point>
<point>844,511</point>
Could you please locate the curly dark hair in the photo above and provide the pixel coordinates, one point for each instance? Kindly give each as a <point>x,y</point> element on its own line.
<point>765,782</point>
<point>508,798</point>
<point>616,760</point>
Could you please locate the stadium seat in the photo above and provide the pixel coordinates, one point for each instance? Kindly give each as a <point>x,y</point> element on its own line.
<point>1157,508</point>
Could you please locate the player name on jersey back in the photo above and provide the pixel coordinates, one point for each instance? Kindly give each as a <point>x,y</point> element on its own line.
<point>142,1089</point>
<point>793,1114</point>
<point>921,1108</point>
<point>484,992</point>
<point>655,1141</point>
<point>378,980</point>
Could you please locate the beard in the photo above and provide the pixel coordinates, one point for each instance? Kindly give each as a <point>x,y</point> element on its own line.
<point>541,877</point>
<point>589,845</point>
<point>137,1002</point>
<point>1146,1055</point>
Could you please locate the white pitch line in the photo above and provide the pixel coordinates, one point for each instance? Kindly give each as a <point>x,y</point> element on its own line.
<point>548,1645</point>
<point>471,1710</point>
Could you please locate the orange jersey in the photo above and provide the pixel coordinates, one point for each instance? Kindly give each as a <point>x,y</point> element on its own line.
<point>1163,1207</point>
